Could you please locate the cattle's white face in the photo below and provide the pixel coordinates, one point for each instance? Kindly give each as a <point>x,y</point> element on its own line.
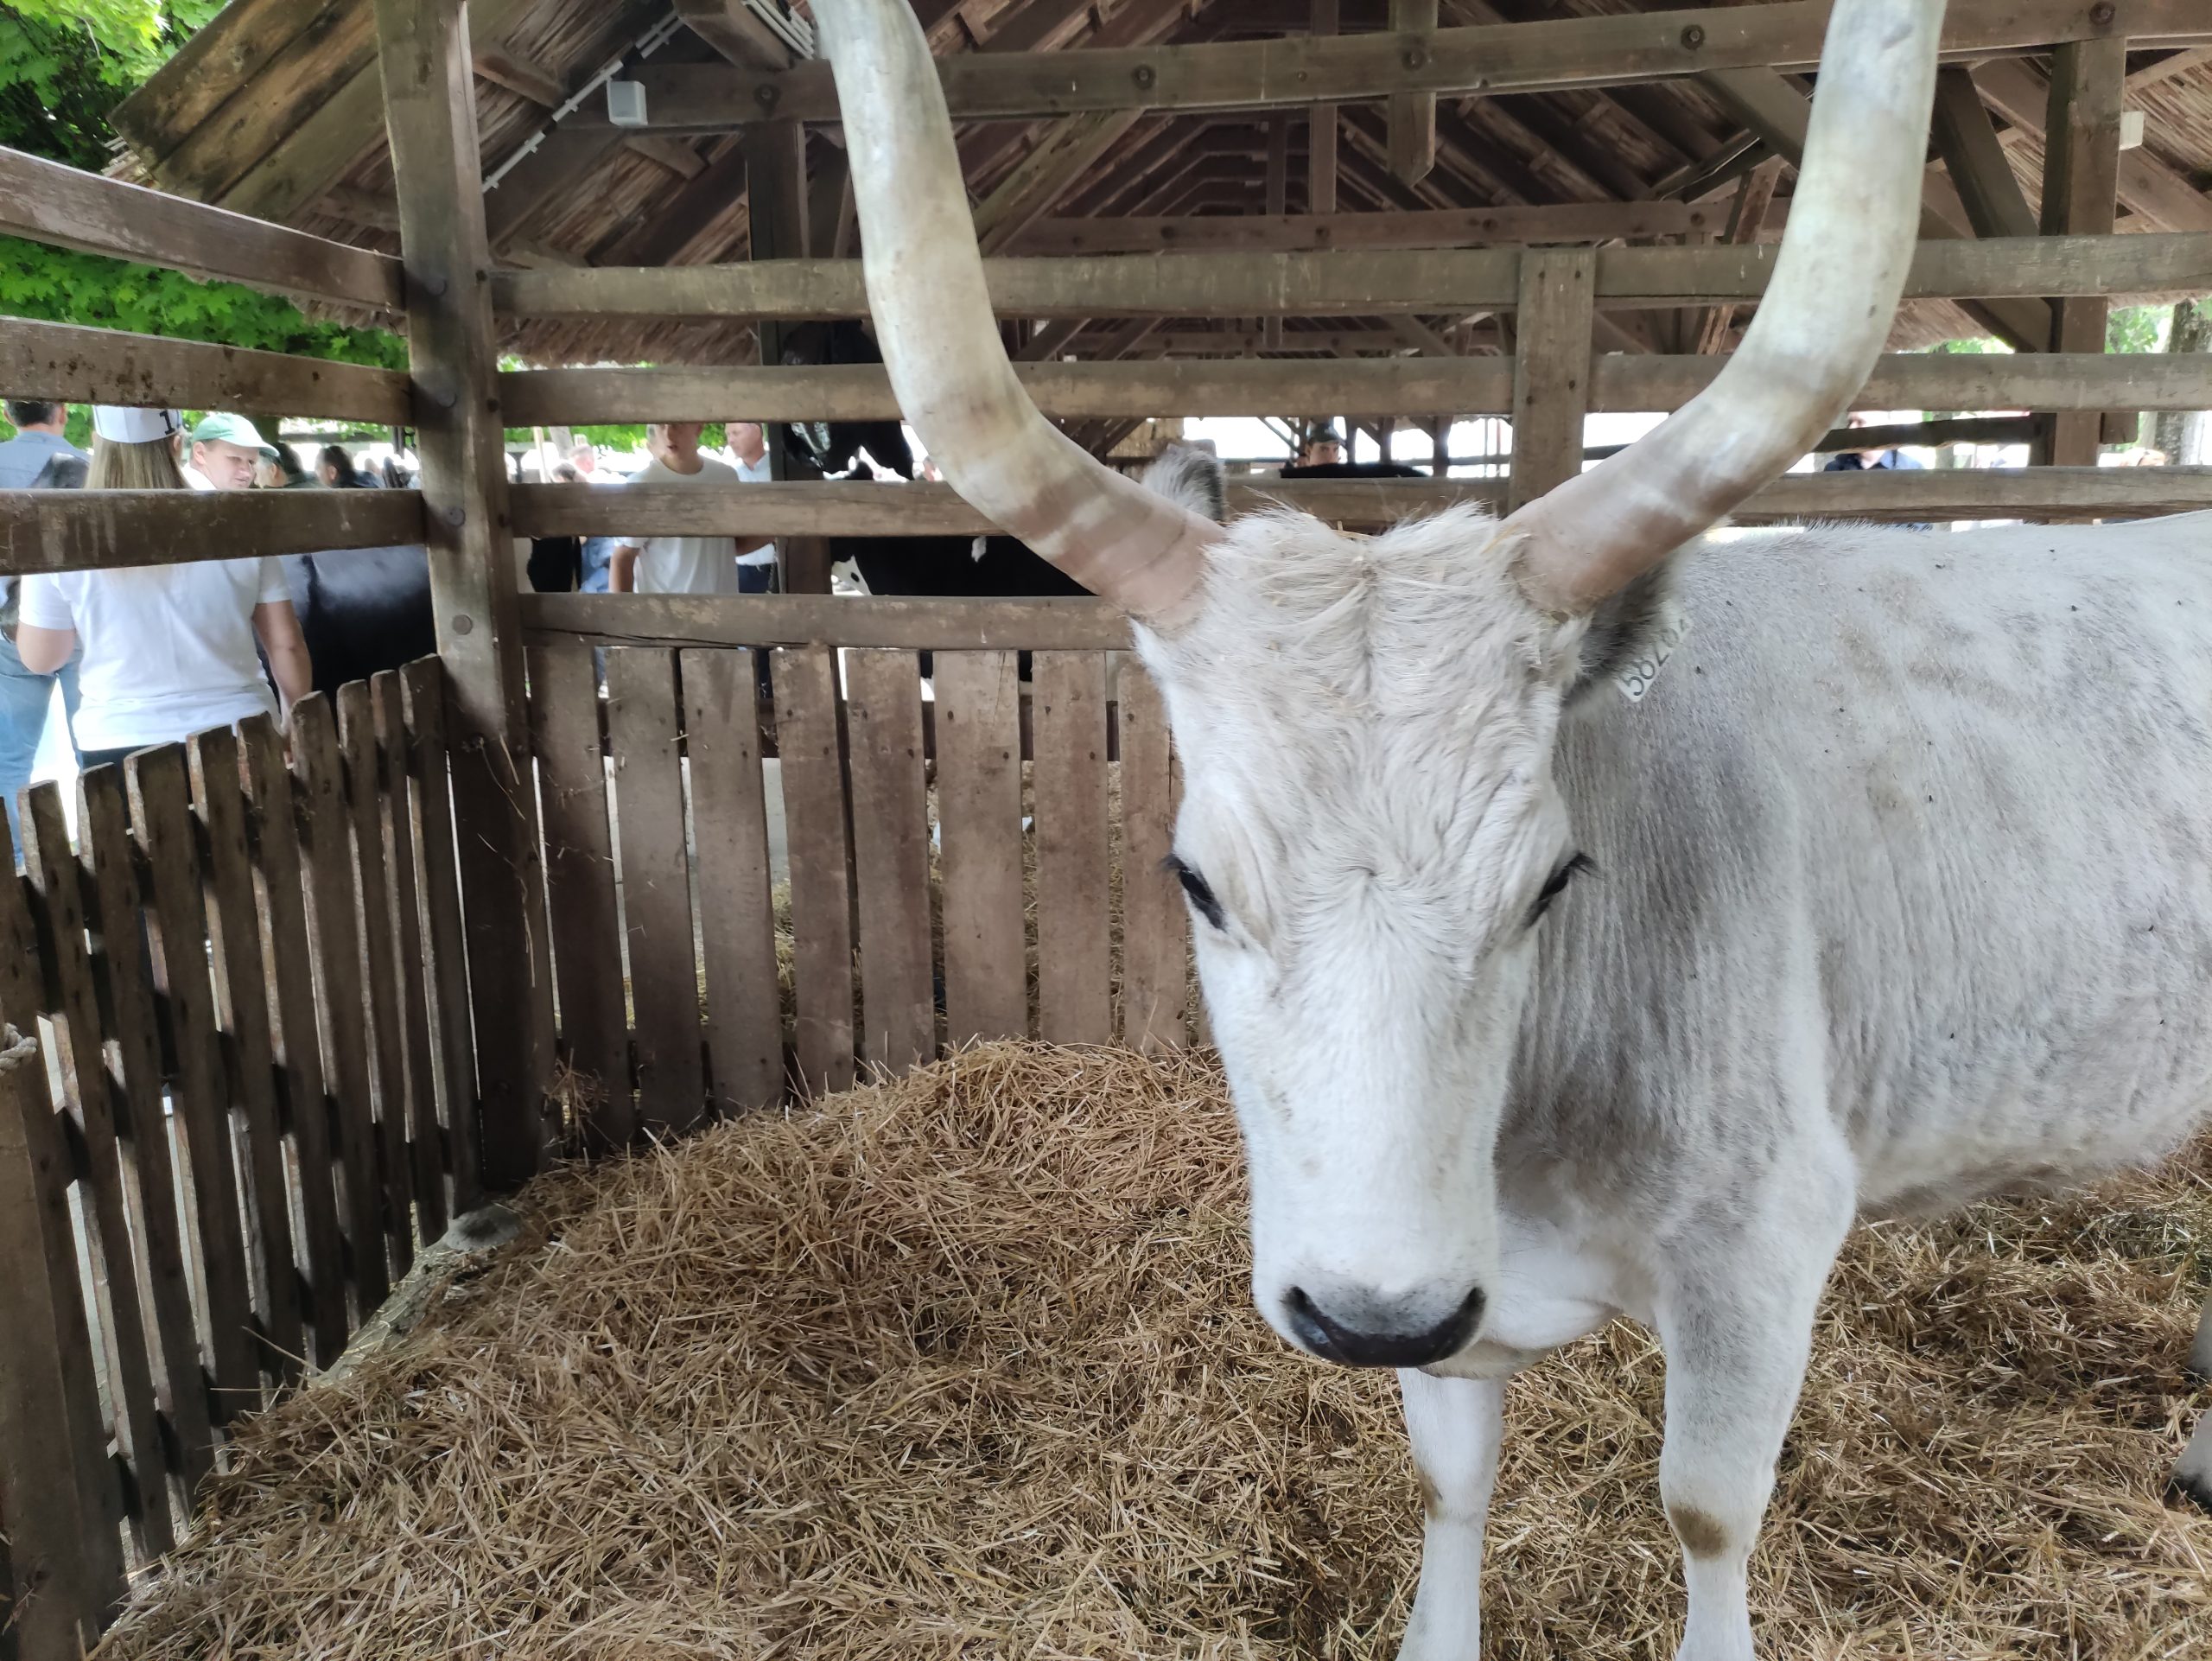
<point>1370,834</point>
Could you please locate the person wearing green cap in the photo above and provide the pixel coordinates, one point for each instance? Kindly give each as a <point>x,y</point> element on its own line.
<point>224,450</point>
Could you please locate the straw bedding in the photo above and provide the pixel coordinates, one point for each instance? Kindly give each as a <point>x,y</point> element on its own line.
<point>966,1364</point>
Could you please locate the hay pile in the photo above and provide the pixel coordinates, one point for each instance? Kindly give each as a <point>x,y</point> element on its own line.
<point>966,1365</point>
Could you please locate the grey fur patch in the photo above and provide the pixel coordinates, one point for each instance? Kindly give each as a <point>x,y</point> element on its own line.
<point>1630,637</point>
<point>1185,473</point>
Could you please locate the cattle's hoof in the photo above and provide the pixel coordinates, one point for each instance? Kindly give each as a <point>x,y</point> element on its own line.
<point>2193,1492</point>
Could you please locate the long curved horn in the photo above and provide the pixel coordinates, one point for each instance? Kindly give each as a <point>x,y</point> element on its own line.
<point>948,366</point>
<point>1823,321</point>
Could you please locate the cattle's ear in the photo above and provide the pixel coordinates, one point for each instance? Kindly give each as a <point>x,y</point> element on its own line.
<point>1191,477</point>
<point>1630,637</point>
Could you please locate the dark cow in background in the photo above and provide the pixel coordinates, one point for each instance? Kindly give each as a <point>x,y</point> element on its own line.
<point>362,610</point>
<point>960,567</point>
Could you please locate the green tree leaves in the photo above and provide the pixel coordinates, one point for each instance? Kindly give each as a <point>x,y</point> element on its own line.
<point>64,64</point>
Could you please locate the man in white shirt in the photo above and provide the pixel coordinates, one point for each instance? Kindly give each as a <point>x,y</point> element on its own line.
<point>679,564</point>
<point>748,448</point>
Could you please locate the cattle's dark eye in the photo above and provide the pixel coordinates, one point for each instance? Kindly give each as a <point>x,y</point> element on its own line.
<point>1201,897</point>
<point>1555,882</point>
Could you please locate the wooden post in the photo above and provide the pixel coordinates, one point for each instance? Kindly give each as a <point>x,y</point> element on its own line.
<point>775,184</point>
<point>1551,368</point>
<point>430,114</point>
<point>1278,203</point>
<point>2081,196</point>
<point>1411,117</point>
<point>1321,129</point>
<point>61,1562</point>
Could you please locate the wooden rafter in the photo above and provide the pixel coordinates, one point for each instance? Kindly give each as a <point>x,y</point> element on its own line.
<point>1772,107</point>
<point>1967,139</point>
<point>2149,188</point>
<point>1572,52</point>
<point>1745,220</point>
<point>733,30</point>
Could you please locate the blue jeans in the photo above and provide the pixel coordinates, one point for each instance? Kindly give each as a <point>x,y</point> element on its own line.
<point>25,698</point>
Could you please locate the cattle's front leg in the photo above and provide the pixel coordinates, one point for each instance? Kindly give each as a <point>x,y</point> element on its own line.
<point>1737,1327</point>
<point>1455,1424</point>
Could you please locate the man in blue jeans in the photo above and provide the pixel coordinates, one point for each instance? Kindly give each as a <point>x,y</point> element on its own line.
<point>25,698</point>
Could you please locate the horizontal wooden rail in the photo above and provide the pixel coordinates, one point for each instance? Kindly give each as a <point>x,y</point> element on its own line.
<point>1056,624</point>
<point>842,509</point>
<point>1403,386</point>
<point>1351,283</point>
<point>48,202</point>
<point>88,530</point>
<point>1546,56</point>
<point>108,366</point>
<point>1436,227</point>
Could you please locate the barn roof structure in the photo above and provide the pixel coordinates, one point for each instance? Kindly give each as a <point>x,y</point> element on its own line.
<point>274,109</point>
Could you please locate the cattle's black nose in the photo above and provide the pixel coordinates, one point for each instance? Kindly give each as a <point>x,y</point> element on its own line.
<point>1363,1344</point>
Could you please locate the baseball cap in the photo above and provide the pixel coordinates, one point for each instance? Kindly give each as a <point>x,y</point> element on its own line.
<point>223,429</point>
<point>121,424</point>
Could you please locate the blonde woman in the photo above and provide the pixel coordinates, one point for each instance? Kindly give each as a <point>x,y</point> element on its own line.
<point>169,649</point>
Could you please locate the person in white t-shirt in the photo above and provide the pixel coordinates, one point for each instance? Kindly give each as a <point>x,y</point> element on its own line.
<point>169,649</point>
<point>748,450</point>
<point>679,564</point>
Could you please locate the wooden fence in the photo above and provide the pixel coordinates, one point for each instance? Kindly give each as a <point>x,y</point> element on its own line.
<point>242,1093</point>
<point>983,862</point>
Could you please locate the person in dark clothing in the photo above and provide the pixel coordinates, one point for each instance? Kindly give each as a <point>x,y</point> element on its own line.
<point>1869,461</point>
<point>1321,456</point>
<point>334,467</point>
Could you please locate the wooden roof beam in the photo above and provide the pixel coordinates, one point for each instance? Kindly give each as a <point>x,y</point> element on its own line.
<point>732,29</point>
<point>1779,113</point>
<point>525,77</point>
<point>1451,227</point>
<point>670,230</point>
<point>1323,21</point>
<point>1967,139</point>
<point>2148,187</point>
<point>2176,63</point>
<point>1745,220</point>
<point>1410,117</point>
<point>1545,56</point>
<point>1062,157</point>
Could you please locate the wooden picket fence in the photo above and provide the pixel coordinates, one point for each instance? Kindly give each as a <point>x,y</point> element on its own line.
<point>251,1096</point>
<point>245,1093</point>
<point>985,863</point>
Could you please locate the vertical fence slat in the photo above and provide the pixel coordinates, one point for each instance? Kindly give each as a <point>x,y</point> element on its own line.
<point>641,731</point>
<point>891,855</point>
<point>59,1567</point>
<point>327,846</point>
<point>1155,961</point>
<point>1068,781</point>
<point>357,729</point>
<point>95,1101</point>
<point>721,731</point>
<point>421,695</point>
<point>425,1158</point>
<point>160,812</point>
<point>49,1164</point>
<point>580,879</point>
<point>167,1266</point>
<point>979,806</point>
<point>22,982</point>
<point>287,954</point>
<point>822,902</point>
<point>241,1012</point>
